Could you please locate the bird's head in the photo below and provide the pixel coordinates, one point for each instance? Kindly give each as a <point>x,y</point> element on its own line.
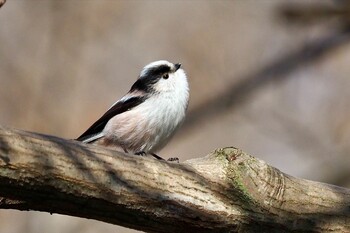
<point>160,77</point>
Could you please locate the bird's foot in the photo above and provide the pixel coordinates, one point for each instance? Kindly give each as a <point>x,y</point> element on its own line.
<point>140,153</point>
<point>173,159</point>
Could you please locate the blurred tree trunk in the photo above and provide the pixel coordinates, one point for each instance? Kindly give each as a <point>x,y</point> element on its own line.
<point>226,191</point>
<point>2,2</point>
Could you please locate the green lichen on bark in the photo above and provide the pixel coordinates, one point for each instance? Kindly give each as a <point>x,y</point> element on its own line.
<point>235,167</point>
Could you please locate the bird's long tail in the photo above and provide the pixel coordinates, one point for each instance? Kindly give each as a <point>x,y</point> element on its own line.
<point>90,138</point>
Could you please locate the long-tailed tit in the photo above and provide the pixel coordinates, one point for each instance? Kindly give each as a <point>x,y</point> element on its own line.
<point>145,119</point>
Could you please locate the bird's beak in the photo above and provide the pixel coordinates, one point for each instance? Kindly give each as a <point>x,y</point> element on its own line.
<point>177,66</point>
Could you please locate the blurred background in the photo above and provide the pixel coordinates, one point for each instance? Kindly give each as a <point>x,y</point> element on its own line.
<point>269,77</point>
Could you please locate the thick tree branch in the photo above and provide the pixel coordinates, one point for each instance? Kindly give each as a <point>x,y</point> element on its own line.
<point>226,191</point>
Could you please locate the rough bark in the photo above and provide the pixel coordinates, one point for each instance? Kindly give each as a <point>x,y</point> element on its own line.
<point>225,191</point>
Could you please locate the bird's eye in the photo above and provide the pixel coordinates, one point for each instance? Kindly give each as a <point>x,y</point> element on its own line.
<point>166,76</point>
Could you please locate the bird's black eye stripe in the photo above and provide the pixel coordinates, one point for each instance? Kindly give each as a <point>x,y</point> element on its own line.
<point>159,70</point>
<point>151,76</point>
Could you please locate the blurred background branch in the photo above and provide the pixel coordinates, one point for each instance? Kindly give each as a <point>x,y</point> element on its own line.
<point>304,14</point>
<point>277,71</point>
<point>2,2</point>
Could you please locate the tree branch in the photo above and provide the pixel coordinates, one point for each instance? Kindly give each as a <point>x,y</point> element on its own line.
<point>226,191</point>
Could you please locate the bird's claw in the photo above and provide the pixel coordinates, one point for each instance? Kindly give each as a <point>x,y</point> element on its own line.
<point>140,153</point>
<point>173,159</point>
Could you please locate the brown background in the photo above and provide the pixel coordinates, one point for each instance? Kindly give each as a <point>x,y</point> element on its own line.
<point>274,88</point>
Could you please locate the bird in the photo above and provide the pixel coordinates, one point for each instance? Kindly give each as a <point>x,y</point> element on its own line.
<point>145,119</point>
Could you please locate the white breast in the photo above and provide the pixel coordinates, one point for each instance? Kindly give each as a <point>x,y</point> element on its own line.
<point>149,126</point>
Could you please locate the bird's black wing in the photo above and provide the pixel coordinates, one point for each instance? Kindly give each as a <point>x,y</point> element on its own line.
<point>117,108</point>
